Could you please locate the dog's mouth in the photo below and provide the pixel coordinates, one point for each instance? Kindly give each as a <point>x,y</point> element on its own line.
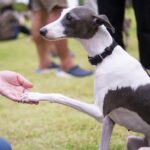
<point>54,38</point>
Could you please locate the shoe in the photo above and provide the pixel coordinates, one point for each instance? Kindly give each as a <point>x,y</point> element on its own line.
<point>49,68</point>
<point>78,72</point>
<point>75,71</point>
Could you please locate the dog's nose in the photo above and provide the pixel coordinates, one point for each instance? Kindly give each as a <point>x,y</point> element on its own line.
<point>43,31</point>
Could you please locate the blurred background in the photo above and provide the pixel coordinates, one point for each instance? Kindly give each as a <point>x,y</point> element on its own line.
<point>51,126</point>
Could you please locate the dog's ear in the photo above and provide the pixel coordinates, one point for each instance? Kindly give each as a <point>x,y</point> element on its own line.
<point>102,19</point>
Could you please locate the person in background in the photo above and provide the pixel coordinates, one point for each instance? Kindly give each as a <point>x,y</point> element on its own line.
<point>10,23</point>
<point>44,12</point>
<point>115,9</point>
<point>12,86</point>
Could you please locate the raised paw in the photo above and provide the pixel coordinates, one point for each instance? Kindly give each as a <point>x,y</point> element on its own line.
<point>30,96</point>
<point>144,148</point>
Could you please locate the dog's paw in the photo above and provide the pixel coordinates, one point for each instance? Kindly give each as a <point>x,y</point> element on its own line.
<point>30,96</point>
<point>144,148</point>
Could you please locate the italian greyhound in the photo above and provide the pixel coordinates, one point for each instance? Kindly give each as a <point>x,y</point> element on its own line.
<point>122,86</point>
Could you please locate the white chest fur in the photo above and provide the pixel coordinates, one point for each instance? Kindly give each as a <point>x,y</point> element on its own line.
<point>117,71</point>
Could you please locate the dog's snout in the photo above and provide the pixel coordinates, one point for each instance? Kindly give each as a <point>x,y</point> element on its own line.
<point>43,31</point>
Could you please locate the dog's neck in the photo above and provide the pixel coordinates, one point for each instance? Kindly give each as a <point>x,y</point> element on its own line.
<point>98,42</point>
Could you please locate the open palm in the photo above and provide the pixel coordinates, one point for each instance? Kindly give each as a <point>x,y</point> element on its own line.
<point>13,85</point>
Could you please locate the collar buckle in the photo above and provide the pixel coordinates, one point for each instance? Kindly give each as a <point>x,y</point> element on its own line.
<point>101,57</point>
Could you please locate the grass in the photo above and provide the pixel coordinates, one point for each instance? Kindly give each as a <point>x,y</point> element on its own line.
<point>52,126</point>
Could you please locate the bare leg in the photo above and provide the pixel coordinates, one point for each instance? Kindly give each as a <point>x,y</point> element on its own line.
<point>89,109</point>
<point>106,133</point>
<point>62,46</point>
<point>38,20</point>
<point>134,142</point>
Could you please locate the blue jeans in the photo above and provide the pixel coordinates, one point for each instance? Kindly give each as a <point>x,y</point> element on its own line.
<point>4,145</point>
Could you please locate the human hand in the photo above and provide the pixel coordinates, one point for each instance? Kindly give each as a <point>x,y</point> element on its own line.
<point>13,86</point>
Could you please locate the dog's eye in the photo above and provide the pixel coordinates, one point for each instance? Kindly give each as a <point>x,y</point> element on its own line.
<point>69,17</point>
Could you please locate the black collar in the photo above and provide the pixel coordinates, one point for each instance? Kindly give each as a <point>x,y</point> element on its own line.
<point>99,58</point>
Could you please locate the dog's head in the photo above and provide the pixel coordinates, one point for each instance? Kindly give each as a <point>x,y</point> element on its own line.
<point>78,22</point>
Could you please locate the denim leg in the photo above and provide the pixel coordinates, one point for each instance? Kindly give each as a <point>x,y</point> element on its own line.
<point>4,145</point>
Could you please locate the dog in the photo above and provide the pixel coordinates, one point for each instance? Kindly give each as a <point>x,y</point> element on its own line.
<point>122,86</point>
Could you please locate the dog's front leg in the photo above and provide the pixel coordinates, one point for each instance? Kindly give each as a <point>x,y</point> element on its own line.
<point>90,109</point>
<point>106,133</point>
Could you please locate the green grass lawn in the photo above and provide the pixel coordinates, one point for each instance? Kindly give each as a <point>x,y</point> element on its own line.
<point>52,126</point>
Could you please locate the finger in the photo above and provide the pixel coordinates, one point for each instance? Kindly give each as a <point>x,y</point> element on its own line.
<point>24,82</point>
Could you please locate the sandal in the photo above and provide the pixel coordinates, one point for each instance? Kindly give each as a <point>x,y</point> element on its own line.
<point>75,71</point>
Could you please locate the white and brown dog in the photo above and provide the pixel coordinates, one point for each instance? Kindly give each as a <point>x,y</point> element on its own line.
<point>122,87</point>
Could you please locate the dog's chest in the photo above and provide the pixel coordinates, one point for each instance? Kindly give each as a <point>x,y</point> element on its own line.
<point>117,79</point>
